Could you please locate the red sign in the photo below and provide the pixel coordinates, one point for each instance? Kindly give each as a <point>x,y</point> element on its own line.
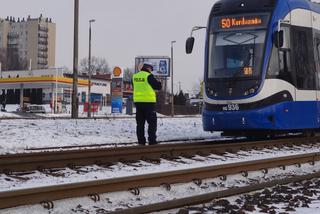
<point>94,107</point>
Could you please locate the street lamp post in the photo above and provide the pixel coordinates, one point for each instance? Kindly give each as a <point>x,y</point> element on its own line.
<point>90,71</point>
<point>172,96</point>
<point>56,95</point>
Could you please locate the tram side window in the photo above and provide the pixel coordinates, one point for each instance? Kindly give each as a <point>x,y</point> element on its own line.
<point>285,66</point>
<point>279,65</point>
<point>302,57</point>
<point>273,69</point>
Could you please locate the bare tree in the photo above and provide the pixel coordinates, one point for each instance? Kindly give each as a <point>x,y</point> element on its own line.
<point>3,58</point>
<point>197,87</point>
<point>98,64</point>
<point>14,62</point>
<point>11,60</point>
<point>127,74</point>
<point>23,64</point>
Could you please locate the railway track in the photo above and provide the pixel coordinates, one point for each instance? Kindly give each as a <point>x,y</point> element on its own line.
<point>205,198</point>
<point>46,195</point>
<point>106,156</point>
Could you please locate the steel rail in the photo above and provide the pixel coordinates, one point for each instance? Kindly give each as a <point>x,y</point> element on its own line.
<point>100,156</point>
<point>205,198</point>
<point>56,192</point>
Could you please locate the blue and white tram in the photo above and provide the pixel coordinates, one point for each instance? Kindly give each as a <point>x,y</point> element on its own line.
<point>262,67</point>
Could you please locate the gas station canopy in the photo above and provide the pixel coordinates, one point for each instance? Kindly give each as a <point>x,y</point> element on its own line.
<point>39,82</point>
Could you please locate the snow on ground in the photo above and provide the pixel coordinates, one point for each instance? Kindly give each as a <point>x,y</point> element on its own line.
<point>22,134</point>
<point>18,135</point>
<point>104,111</point>
<point>12,112</point>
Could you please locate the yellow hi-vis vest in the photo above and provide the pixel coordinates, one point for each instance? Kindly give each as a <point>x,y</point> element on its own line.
<point>142,90</point>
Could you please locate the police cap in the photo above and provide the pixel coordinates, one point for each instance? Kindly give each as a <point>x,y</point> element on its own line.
<point>148,64</point>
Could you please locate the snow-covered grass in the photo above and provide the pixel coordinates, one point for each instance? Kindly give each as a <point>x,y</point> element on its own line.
<point>19,135</point>
<point>12,112</point>
<point>50,131</point>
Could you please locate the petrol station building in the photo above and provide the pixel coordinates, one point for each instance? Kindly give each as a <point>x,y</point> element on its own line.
<point>50,86</point>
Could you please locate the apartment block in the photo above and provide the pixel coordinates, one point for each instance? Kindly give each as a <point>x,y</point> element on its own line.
<point>33,40</point>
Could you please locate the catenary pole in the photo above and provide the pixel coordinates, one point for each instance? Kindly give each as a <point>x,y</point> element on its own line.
<point>75,101</point>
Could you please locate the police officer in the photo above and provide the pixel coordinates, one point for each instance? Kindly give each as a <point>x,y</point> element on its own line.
<point>144,97</point>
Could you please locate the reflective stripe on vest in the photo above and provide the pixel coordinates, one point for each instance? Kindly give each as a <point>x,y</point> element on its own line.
<point>142,90</point>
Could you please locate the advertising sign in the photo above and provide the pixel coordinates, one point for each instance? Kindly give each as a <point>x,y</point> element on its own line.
<point>161,64</point>
<point>116,105</point>
<point>116,90</point>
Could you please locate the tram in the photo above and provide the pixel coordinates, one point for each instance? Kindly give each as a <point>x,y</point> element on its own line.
<point>262,67</point>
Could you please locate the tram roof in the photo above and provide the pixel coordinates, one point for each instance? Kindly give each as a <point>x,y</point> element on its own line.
<point>231,6</point>
<point>304,4</point>
<point>39,82</point>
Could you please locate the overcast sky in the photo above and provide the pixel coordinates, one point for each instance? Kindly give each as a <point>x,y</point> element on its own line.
<point>125,29</point>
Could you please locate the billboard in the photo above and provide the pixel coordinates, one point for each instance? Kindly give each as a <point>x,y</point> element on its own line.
<point>161,64</point>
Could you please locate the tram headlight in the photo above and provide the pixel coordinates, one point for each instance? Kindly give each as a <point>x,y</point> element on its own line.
<point>212,92</point>
<point>252,90</point>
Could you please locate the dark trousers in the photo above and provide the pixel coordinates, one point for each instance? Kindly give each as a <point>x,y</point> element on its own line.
<point>146,112</point>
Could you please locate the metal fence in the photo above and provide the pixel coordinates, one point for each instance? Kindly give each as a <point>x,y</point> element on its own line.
<point>179,110</point>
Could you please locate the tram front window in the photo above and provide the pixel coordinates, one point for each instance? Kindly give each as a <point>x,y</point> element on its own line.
<point>236,54</point>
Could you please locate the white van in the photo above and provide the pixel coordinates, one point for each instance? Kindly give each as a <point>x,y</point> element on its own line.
<point>35,109</point>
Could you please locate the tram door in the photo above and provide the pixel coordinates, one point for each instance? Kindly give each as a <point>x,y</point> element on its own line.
<point>302,51</point>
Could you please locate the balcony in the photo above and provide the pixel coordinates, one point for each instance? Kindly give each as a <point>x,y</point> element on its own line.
<point>42,62</point>
<point>43,49</point>
<point>41,35</point>
<point>12,45</point>
<point>43,29</point>
<point>13,35</point>
<point>43,55</point>
<point>41,42</point>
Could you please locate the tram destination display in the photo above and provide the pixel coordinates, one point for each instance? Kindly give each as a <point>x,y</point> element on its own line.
<point>236,22</point>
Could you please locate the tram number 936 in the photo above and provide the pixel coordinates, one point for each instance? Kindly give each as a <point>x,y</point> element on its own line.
<point>231,107</point>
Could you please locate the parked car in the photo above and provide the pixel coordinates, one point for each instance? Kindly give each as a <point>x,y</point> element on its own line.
<point>35,109</point>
